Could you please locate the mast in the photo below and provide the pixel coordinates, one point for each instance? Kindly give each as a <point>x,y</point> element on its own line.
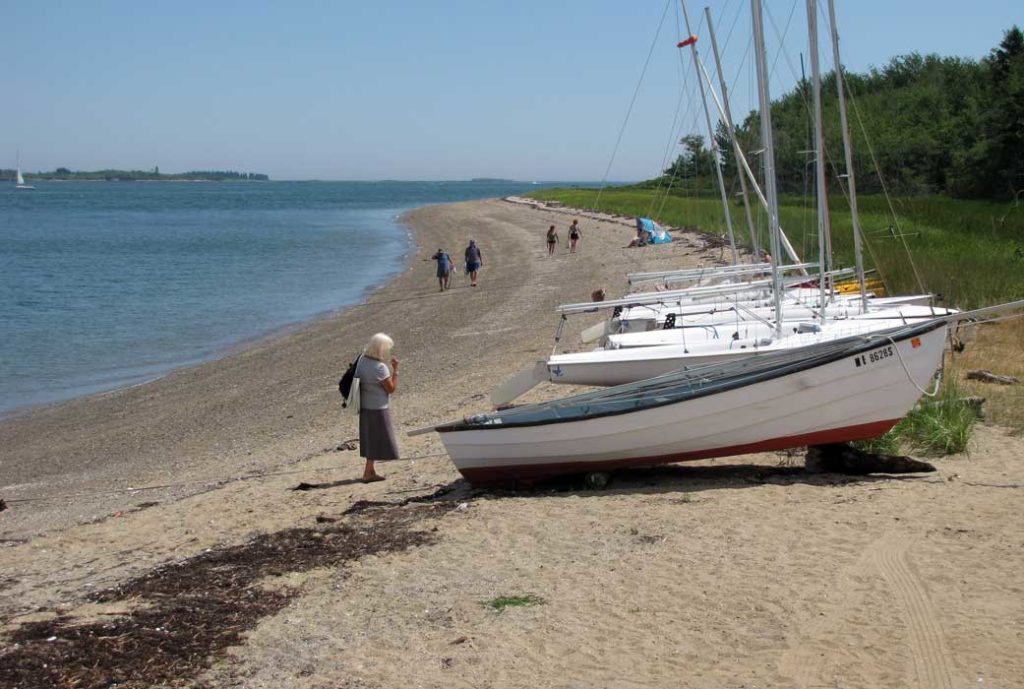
<point>770,183</point>
<point>750,176</point>
<point>737,152</point>
<point>819,145</point>
<point>848,152</point>
<point>712,143</point>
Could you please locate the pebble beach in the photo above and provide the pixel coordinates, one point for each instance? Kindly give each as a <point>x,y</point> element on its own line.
<point>738,572</point>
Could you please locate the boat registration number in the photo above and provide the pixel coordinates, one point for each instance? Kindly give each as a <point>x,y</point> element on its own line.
<point>875,356</point>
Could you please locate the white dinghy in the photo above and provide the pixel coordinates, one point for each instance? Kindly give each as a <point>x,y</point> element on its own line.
<point>839,391</point>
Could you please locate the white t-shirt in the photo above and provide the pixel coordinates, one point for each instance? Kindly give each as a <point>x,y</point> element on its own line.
<point>370,373</point>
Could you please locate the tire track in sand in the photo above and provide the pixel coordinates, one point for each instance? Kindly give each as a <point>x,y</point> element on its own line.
<point>927,644</point>
<point>808,665</point>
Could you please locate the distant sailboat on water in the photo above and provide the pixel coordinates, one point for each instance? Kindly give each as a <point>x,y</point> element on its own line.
<point>19,181</point>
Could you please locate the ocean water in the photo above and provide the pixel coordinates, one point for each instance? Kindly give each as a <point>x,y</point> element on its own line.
<point>106,285</point>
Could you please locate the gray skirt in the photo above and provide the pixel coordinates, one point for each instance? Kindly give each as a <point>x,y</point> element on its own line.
<point>376,435</point>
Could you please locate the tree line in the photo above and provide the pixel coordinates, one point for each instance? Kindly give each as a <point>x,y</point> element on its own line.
<point>64,174</point>
<point>920,125</point>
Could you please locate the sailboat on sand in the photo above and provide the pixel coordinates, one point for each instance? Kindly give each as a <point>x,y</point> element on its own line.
<point>837,390</point>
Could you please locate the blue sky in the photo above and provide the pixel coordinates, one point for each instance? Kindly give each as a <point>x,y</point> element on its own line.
<point>389,89</point>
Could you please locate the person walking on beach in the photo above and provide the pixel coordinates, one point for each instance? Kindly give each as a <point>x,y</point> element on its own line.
<point>474,261</point>
<point>444,269</point>
<point>377,382</point>
<point>574,235</point>
<point>552,240</point>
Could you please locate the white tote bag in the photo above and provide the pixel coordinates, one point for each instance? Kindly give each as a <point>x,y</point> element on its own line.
<point>352,403</point>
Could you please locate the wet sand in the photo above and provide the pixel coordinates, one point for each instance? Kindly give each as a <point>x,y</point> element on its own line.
<point>728,573</point>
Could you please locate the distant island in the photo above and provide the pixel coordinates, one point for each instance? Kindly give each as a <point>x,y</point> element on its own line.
<point>62,174</point>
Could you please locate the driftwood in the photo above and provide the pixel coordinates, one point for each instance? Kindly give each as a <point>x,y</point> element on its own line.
<point>989,377</point>
<point>841,458</point>
<point>973,401</point>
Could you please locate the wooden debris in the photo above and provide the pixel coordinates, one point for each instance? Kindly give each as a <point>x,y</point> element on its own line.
<point>989,377</point>
<point>842,458</point>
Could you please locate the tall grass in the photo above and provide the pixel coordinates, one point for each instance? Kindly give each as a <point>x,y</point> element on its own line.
<point>936,427</point>
<point>998,347</point>
<point>971,252</point>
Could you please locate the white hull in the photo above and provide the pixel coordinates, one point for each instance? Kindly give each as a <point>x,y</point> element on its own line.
<point>604,367</point>
<point>833,402</point>
<point>721,327</point>
<point>644,318</point>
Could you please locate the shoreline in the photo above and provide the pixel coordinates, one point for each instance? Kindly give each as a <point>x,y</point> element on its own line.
<point>274,400</point>
<point>237,346</point>
<point>740,571</point>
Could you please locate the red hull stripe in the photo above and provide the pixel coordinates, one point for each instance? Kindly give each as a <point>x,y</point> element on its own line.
<point>484,476</point>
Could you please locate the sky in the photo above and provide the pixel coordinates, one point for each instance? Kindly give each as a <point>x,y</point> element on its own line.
<point>402,89</point>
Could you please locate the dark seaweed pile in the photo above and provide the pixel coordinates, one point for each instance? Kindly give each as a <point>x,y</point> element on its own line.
<point>188,613</point>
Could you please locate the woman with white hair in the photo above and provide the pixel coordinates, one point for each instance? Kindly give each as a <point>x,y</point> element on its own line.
<point>376,384</point>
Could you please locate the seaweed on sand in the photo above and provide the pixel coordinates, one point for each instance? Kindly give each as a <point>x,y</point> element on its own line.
<point>192,611</point>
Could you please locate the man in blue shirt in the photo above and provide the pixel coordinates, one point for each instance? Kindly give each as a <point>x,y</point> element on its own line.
<point>444,269</point>
<point>474,260</point>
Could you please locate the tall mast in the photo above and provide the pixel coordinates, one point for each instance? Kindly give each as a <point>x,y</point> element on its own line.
<point>712,143</point>
<point>770,183</point>
<point>737,152</point>
<point>786,245</point>
<point>819,147</point>
<point>848,151</point>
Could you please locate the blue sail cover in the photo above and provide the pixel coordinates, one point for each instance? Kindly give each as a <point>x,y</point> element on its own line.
<point>652,232</point>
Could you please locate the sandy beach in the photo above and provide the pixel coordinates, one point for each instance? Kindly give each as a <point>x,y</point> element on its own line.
<point>741,572</point>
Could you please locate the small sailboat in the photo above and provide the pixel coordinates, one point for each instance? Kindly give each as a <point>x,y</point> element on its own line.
<point>19,181</point>
<point>838,391</point>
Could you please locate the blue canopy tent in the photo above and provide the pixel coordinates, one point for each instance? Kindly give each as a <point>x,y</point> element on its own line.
<point>651,232</point>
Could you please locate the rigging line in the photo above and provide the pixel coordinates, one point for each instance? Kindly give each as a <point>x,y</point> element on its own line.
<point>683,73</point>
<point>674,138</point>
<point>632,102</point>
<point>782,39</point>
<point>735,21</point>
<point>910,377</point>
<point>668,146</point>
<point>885,189</point>
<point>693,124</point>
<point>676,171</point>
<point>739,68</point>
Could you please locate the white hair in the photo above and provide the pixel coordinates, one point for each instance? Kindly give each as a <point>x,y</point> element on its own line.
<point>379,347</point>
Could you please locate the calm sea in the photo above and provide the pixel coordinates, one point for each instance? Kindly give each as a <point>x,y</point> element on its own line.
<point>105,285</point>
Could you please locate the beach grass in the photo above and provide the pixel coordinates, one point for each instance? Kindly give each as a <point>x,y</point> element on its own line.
<point>937,427</point>
<point>969,252</point>
<point>997,347</point>
<point>501,602</point>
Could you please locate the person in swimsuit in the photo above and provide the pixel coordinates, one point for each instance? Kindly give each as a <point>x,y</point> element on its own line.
<point>574,235</point>
<point>552,239</point>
